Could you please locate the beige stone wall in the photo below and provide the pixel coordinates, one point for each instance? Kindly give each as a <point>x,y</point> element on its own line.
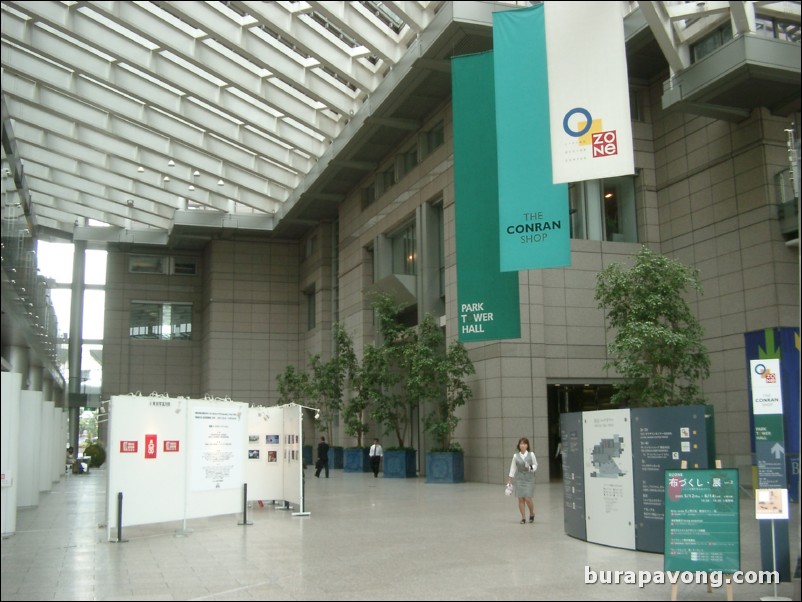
<point>252,315</point>
<point>147,366</point>
<point>717,203</point>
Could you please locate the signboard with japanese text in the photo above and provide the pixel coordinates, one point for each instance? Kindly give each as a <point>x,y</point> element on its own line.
<point>702,529</point>
<point>662,438</point>
<point>573,475</point>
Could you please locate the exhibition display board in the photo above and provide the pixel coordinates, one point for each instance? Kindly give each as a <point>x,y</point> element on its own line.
<point>177,458</point>
<point>613,467</point>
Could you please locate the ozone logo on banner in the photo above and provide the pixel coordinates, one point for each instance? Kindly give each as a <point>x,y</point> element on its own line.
<point>589,132</point>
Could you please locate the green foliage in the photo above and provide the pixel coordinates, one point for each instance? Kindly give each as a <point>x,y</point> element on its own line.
<point>95,451</point>
<point>293,386</point>
<point>328,380</point>
<point>353,410</point>
<point>658,346</point>
<point>413,367</point>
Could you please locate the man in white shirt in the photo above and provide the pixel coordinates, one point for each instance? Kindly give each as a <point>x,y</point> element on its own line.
<point>376,453</point>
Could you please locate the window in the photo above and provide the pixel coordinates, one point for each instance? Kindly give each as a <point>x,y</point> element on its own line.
<point>441,249</point>
<point>408,161</point>
<point>165,321</point>
<point>404,251</point>
<point>603,209</point>
<point>184,266</point>
<point>386,179</point>
<point>772,28</point>
<point>433,139</point>
<point>310,309</point>
<point>711,42</point>
<point>147,264</point>
<point>311,247</point>
<point>635,112</point>
<point>162,264</point>
<point>369,195</point>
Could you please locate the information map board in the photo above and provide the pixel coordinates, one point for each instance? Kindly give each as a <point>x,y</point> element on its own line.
<point>702,521</point>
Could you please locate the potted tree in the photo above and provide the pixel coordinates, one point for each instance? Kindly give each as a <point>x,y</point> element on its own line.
<point>443,385</point>
<point>326,385</point>
<point>385,375</point>
<point>293,387</point>
<point>355,459</point>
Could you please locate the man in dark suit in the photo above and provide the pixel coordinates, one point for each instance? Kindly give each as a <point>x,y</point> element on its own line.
<point>322,457</point>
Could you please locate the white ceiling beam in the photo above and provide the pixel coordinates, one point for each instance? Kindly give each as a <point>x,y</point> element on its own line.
<point>695,10</point>
<point>412,14</point>
<point>308,36</point>
<point>168,147</point>
<point>240,39</point>
<point>363,27</point>
<point>203,56</point>
<point>125,50</point>
<point>663,32</point>
<point>132,86</point>
<point>743,17</point>
<point>148,188</point>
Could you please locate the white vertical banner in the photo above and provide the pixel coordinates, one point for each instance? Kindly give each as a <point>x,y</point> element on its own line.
<point>609,486</point>
<point>591,131</point>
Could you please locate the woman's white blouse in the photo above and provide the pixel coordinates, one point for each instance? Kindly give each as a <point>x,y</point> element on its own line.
<point>514,467</point>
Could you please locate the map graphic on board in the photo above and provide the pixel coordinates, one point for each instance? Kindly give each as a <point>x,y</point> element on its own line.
<point>603,458</point>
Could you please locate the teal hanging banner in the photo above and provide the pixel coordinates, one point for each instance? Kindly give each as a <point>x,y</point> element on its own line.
<point>533,212</point>
<point>488,305</point>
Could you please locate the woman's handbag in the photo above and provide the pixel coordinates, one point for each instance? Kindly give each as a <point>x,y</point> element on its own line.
<point>508,489</point>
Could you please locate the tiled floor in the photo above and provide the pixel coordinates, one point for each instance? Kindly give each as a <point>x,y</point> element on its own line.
<point>366,539</point>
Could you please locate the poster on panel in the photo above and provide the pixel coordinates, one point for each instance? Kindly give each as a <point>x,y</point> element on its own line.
<point>487,298</point>
<point>217,433</point>
<point>609,495</point>
<point>588,89</point>
<point>533,211</point>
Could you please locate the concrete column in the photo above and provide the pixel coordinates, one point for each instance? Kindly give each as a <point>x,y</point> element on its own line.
<point>35,376</point>
<point>47,386</point>
<point>76,337</point>
<point>18,358</point>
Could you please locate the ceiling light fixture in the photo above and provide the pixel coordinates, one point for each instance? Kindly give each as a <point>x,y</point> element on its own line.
<point>166,178</point>
<point>171,163</point>
<point>220,182</point>
<point>140,169</point>
<point>196,173</point>
<point>191,187</point>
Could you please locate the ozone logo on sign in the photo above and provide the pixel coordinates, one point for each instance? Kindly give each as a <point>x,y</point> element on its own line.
<point>589,132</point>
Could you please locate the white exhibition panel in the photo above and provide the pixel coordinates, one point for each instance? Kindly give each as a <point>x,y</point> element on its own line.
<point>293,462</point>
<point>217,454</point>
<point>264,469</point>
<point>59,446</point>
<point>153,488</point>
<point>9,449</point>
<point>609,489</point>
<point>30,445</point>
<point>47,437</point>
<point>174,458</point>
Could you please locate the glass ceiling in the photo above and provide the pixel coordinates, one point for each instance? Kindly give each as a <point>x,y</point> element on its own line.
<point>119,114</point>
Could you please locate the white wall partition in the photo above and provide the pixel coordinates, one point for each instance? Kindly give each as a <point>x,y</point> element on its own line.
<point>59,448</point>
<point>30,446</point>
<point>175,459</point>
<point>264,469</point>
<point>9,449</point>
<point>293,462</point>
<point>47,435</point>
